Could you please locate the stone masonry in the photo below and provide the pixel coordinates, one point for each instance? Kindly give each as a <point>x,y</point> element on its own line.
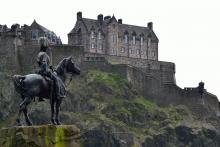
<point>110,36</point>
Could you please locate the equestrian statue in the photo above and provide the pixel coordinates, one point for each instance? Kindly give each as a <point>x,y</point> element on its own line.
<point>46,83</point>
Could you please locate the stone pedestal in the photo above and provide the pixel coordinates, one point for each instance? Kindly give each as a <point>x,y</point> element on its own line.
<point>40,136</point>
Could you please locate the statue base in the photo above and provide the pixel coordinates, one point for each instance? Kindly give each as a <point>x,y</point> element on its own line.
<point>40,136</point>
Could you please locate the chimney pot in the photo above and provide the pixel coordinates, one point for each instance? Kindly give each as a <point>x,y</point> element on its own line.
<point>120,21</point>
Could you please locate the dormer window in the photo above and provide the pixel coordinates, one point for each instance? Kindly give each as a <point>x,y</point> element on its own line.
<point>34,34</point>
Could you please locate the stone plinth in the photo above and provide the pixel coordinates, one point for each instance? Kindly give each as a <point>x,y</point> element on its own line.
<point>40,136</point>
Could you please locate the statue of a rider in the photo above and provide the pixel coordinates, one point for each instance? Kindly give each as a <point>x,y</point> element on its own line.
<point>46,70</point>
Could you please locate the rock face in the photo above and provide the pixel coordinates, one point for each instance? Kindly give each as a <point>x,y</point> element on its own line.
<point>110,113</point>
<point>40,136</point>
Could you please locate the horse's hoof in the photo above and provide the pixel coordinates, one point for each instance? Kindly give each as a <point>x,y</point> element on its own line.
<point>18,122</point>
<point>30,124</point>
<point>53,122</point>
<point>58,122</point>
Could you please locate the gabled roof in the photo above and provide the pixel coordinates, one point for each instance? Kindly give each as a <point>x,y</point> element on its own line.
<point>93,23</point>
<point>42,27</point>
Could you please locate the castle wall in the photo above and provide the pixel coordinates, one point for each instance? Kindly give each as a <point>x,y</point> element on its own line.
<point>27,55</point>
<point>163,71</point>
<point>154,80</point>
<point>8,53</point>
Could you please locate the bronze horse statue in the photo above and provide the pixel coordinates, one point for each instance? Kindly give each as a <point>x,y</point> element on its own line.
<point>35,85</point>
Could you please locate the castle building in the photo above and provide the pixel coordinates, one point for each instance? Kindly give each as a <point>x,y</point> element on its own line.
<point>28,35</point>
<point>106,35</point>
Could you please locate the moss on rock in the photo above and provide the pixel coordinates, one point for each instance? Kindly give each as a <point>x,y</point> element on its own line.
<point>40,136</point>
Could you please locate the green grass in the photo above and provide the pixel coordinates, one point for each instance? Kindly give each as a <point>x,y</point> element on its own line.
<point>111,80</point>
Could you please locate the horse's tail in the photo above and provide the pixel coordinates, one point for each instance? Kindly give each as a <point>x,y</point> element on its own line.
<point>18,83</point>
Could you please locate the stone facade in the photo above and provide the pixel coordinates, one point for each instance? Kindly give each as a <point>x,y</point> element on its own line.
<point>110,36</point>
<point>28,35</point>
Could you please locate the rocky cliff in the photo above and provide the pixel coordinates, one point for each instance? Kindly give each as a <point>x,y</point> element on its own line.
<point>110,112</point>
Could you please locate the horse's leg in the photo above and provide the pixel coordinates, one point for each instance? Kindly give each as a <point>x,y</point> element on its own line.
<point>58,102</point>
<point>29,123</point>
<point>52,111</point>
<point>23,104</point>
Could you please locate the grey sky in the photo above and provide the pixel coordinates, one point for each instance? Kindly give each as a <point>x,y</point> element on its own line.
<point>188,30</point>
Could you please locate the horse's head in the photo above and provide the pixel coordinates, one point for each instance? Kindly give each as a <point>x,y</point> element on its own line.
<point>71,67</point>
<point>67,66</point>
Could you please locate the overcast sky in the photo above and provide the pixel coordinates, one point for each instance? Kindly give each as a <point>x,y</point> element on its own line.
<point>188,30</point>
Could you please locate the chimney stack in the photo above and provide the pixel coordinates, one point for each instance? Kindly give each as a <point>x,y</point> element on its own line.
<point>150,25</point>
<point>79,15</point>
<point>100,18</point>
<point>107,17</point>
<point>120,21</point>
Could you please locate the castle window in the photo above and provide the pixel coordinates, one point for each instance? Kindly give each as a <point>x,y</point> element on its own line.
<point>133,40</point>
<point>122,50</point>
<point>113,50</point>
<point>148,42</point>
<point>153,54</point>
<point>142,39</point>
<point>49,36</point>
<point>92,35</point>
<point>126,38</point>
<point>34,34</point>
<point>131,51</point>
<point>113,38</point>
<point>99,35</point>
<point>92,45</point>
<point>100,46</point>
<point>53,38</point>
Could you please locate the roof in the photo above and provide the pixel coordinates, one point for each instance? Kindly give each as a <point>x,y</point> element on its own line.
<point>43,28</point>
<point>93,24</point>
